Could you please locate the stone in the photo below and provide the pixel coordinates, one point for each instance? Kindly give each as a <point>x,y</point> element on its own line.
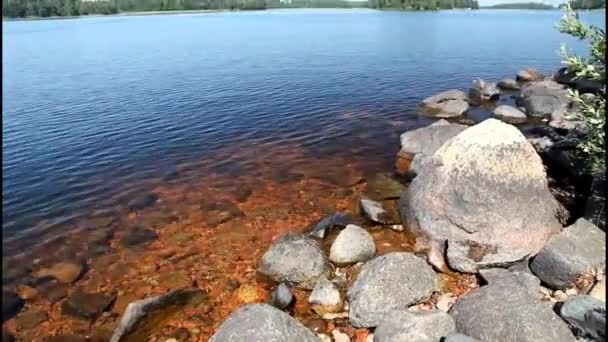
<point>598,291</point>
<point>261,323</point>
<point>508,308</point>
<point>392,281</point>
<point>447,104</point>
<point>138,236</point>
<point>324,337</point>
<point>376,212</point>
<point>419,326</point>
<point>578,250</point>
<point>141,317</point>
<point>353,244</point>
<point>510,114</point>
<point>175,280</point>
<point>218,212</point>
<point>544,99</point>
<point>53,291</point>
<point>566,121</point>
<point>528,75</point>
<point>436,256</point>
<point>322,227</point>
<point>281,297</point>
<point>423,142</point>
<point>586,315</point>
<point>65,272</point>
<point>30,319</point>
<point>325,297</point>
<point>383,187</point>
<point>486,185</point>
<point>482,91</point>
<point>86,305</point>
<point>294,259</point>
<point>11,304</point>
<point>456,337</point>
<point>469,256</point>
<point>560,295</point>
<point>142,201</point>
<point>509,84</point>
<point>340,336</point>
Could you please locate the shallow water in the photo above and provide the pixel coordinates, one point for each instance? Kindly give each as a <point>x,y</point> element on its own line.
<point>276,118</point>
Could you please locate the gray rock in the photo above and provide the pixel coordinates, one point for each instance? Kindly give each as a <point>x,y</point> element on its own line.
<point>510,114</point>
<point>509,84</point>
<point>587,315</point>
<point>486,185</point>
<point>447,104</point>
<point>544,98</point>
<point>392,281</point>
<point>325,297</point>
<point>526,281</point>
<point>423,142</point>
<point>352,245</point>
<point>578,250</point>
<point>482,91</point>
<point>469,256</point>
<point>419,326</point>
<point>133,326</point>
<point>281,297</point>
<point>456,337</point>
<point>376,212</point>
<point>294,259</point>
<point>320,228</point>
<point>262,323</point>
<point>528,75</point>
<point>507,310</point>
<point>86,305</point>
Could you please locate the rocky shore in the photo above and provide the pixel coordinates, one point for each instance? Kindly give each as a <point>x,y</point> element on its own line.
<point>509,243</point>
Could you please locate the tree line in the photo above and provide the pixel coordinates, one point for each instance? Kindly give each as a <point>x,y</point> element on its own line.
<point>424,4</point>
<point>586,4</point>
<point>522,5</point>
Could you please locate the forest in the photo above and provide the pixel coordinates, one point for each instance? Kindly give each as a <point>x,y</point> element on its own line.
<point>587,4</point>
<point>521,5</point>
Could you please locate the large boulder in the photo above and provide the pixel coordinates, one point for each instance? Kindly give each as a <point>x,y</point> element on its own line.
<point>544,99</point>
<point>507,310</point>
<point>419,326</point>
<point>447,104</point>
<point>587,315</point>
<point>353,244</point>
<point>294,259</point>
<point>528,75</point>
<point>510,114</point>
<point>486,188</point>
<point>578,250</point>
<point>423,142</point>
<point>262,323</point>
<point>509,84</point>
<point>482,91</point>
<point>392,281</point>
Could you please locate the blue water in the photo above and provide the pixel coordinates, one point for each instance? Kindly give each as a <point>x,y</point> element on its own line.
<point>93,104</point>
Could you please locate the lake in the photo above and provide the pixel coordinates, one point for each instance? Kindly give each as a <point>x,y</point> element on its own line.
<point>98,111</point>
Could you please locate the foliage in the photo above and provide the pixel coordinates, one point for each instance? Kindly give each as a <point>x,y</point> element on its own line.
<point>592,109</point>
<point>522,5</point>
<point>426,4</point>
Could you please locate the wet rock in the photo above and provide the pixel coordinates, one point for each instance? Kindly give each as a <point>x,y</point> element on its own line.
<point>381,187</point>
<point>325,297</point>
<point>65,272</point>
<point>510,114</point>
<point>528,75</point>
<point>175,280</point>
<point>261,322</point>
<point>141,317</point>
<point>376,212</point>
<point>586,315</point>
<point>423,142</point>
<point>598,291</point>
<point>218,212</point>
<point>11,304</point>
<point>482,91</point>
<point>469,256</point>
<point>352,245</point>
<point>30,319</point>
<point>53,291</point>
<point>486,185</point>
<point>138,236</point>
<point>392,281</point>
<point>403,162</point>
<point>578,250</point>
<point>508,309</point>
<point>508,84</point>
<point>294,259</point>
<point>242,193</point>
<point>544,99</point>
<point>419,326</point>
<point>456,337</point>
<point>281,297</point>
<point>86,305</point>
<point>322,227</point>
<point>283,176</point>
<point>142,201</point>
<point>447,104</point>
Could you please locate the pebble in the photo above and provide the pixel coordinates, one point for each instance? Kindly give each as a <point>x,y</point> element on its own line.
<point>545,291</point>
<point>397,227</point>
<point>571,292</point>
<point>65,272</point>
<point>332,316</point>
<point>560,295</point>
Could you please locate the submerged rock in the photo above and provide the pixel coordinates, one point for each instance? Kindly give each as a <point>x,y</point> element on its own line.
<point>281,297</point>
<point>419,326</point>
<point>447,104</point>
<point>482,91</point>
<point>376,212</point>
<point>142,201</point>
<point>486,185</point>
<point>586,315</point>
<point>294,259</point>
<point>86,305</point>
<point>382,187</point>
<point>578,250</point>
<point>138,236</point>
<point>510,114</point>
<point>392,281</point>
<point>325,297</point>
<point>218,212</point>
<point>261,323</point>
<point>322,227</point>
<point>528,75</point>
<point>509,84</point>
<point>11,304</point>
<point>352,245</point>
<point>65,272</point>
